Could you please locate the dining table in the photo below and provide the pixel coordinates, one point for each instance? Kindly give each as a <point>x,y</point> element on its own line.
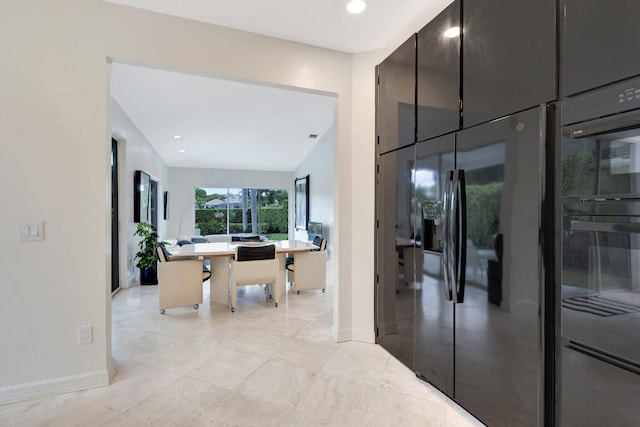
<point>220,254</point>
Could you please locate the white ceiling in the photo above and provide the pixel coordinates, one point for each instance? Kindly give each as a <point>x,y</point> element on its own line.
<point>223,124</point>
<point>323,23</point>
<point>232,125</point>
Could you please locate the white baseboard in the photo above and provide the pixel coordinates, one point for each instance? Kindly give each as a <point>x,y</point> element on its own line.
<point>362,335</point>
<point>343,335</point>
<point>340,335</point>
<point>131,280</point>
<point>111,370</point>
<point>34,390</point>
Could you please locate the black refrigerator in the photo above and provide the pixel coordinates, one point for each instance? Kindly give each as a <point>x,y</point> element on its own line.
<point>465,207</point>
<point>480,196</point>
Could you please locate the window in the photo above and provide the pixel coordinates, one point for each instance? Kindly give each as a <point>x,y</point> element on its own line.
<point>243,210</point>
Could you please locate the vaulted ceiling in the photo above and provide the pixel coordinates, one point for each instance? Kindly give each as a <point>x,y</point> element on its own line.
<point>233,125</point>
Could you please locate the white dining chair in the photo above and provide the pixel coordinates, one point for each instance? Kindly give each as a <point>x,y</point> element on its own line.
<point>254,264</point>
<point>179,282</point>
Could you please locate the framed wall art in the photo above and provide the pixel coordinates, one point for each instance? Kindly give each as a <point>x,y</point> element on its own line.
<point>141,197</point>
<point>302,203</point>
<point>166,205</point>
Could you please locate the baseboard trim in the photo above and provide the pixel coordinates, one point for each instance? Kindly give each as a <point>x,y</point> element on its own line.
<point>34,390</point>
<point>343,335</point>
<point>111,370</point>
<point>131,280</point>
<point>362,335</point>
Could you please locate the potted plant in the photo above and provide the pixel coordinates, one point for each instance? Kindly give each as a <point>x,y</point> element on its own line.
<point>146,256</point>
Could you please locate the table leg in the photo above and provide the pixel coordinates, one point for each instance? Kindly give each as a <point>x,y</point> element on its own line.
<point>219,282</point>
<point>281,286</point>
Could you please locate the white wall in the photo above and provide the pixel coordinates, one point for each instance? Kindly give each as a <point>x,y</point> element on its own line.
<point>135,153</point>
<point>54,113</point>
<point>53,117</point>
<point>319,165</point>
<point>362,213</point>
<point>183,182</point>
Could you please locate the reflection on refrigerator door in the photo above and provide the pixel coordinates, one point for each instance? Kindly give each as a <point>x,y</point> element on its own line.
<point>396,253</point>
<point>434,310</point>
<point>499,368</point>
<point>485,350</point>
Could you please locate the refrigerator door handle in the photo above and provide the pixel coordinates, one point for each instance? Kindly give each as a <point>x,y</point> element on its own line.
<point>460,236</point>
<point>447,230</point>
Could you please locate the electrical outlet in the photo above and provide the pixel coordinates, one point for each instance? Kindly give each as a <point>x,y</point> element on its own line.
<point>85,334</point>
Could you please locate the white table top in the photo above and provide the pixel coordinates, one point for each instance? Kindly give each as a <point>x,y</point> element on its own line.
<point>219,249</point>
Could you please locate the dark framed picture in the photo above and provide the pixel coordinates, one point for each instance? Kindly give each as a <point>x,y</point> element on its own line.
<point>166,205</point>
<point>141,197</point>
<point>302,202</point>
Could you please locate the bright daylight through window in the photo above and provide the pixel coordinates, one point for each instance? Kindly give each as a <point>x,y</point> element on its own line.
<point>242,210</point>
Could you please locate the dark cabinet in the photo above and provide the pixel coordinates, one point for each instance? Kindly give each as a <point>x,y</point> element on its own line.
<point>600,43</point>
<point>438,77</point>
<point>396,98</point>
<point>395,254</point>
<point>460,166</point>
<point>509,57</point>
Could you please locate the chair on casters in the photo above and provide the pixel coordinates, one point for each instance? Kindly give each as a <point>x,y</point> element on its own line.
<point>310,268</point>
<point>318,241</point>
<point>254,265</point>
<point>179,282</point>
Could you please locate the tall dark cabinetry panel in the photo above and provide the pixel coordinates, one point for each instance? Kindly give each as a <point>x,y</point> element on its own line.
<point>509,57</point>
<point>438,78</point>
<point>395,129</point>
<point>460,190</point>
<point>395,253</point>
<point>600,43</point>
<point>396,97</point>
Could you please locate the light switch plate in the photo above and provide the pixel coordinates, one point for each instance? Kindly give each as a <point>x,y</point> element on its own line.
<point>30,231</point>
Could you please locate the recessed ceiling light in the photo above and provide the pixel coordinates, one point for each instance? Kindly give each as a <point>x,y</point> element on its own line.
<point>182,151</point>
<point>176,137</point>
<point>356,6</point>
<point>452,32</point>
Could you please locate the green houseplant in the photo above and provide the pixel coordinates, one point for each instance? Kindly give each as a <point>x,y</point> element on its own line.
<point>146,255</point>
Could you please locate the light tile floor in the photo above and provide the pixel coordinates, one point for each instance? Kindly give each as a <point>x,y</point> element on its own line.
<point>259,366</point>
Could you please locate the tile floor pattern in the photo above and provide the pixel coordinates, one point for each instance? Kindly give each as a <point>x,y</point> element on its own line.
<point>259,366</point>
